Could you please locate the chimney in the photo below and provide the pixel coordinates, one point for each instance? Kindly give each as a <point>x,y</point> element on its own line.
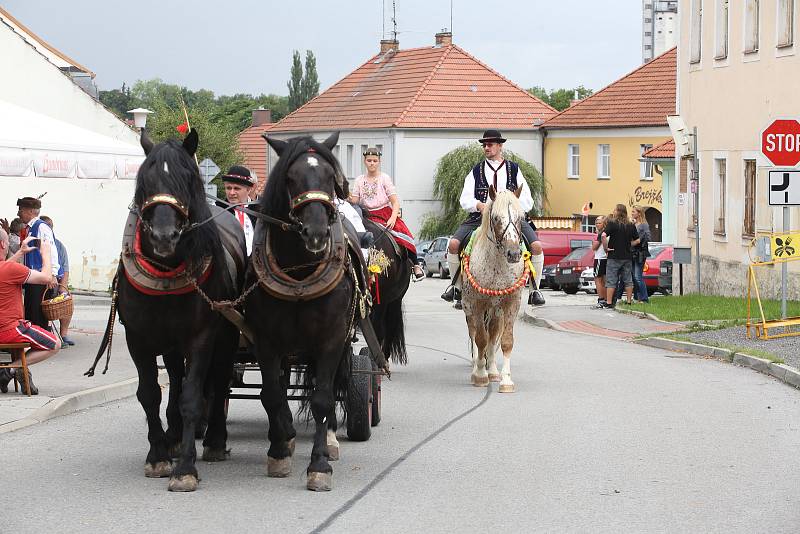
<point>261,116</point>
<point>444,37</point>
<point>575,100</point>
<point>389,44</point>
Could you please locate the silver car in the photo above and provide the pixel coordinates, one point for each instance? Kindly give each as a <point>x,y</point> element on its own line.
<point>434,258</point>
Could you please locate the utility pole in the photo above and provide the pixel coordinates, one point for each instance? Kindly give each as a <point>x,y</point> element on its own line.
<point>696,172</point>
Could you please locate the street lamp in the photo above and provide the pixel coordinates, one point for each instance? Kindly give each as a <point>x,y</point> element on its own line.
<point>140,117</point>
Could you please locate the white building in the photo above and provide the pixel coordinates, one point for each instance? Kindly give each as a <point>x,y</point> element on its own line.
<point>659,27</point>
<point>417,105</point>
<point>56,139</point>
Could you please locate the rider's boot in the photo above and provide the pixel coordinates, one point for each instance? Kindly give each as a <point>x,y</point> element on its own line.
<point>535,298</point>
<point>453,291</point>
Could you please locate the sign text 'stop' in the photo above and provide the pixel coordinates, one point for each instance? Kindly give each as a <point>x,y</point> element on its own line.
<point>780,142</point>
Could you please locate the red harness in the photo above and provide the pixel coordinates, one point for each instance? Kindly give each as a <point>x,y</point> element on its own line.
<point>152,271</point>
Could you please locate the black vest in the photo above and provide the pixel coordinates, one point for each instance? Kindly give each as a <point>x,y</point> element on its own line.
<point>482,184</point>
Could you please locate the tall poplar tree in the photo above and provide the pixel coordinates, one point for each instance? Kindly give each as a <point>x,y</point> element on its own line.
<point>295,83</point>
<point>310,83</point>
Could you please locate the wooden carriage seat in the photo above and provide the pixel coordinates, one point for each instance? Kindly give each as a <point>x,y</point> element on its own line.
<point>17,351</point>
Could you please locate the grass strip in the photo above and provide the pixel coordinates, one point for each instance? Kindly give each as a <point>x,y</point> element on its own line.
<point>710,308</point>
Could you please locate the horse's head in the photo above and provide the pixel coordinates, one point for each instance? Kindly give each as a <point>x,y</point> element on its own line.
<point>502,221</point>
<point>308,177</point>
<point>166,189</point>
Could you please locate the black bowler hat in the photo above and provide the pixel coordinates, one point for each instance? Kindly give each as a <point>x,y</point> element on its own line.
<point>29,202</point>
<point>492,136</point>
<point>239,175</point>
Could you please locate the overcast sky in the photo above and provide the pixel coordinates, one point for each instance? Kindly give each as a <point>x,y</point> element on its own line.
<point>246,46</point>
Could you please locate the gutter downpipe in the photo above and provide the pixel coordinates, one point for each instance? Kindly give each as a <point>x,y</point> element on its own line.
<point>544,181</point>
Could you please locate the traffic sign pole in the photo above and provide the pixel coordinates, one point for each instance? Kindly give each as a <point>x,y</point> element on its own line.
<point>784,266</point>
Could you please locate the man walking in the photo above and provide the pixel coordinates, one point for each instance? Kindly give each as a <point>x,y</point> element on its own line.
<point>29,208</point>
<point>13,328</point>
<point>63,281</point>
<point>503,175</point>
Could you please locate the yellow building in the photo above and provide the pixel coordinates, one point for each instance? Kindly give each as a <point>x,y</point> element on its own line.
<point>593,150</point>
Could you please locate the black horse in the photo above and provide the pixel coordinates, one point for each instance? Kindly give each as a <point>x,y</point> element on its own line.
<point>312,327</point>
<point>177,246</point>
<point>387,301</point>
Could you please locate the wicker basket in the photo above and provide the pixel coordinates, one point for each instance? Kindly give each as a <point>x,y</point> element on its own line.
<point>57,310</point>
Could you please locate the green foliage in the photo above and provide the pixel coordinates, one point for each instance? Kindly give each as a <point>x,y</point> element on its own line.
<point>310,84</point>
<point>118,100</point>
<point>559,98</point>
<point>295,82</point>
<point>449,182</point>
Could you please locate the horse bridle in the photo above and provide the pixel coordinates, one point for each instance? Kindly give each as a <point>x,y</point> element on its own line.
<point>498,242</point>
<point>169,200</point>
<point>307,197</point>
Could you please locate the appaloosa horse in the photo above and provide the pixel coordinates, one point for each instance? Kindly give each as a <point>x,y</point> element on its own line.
<point>495,272</point>
<point>304,310</point>
<point>175,247</point>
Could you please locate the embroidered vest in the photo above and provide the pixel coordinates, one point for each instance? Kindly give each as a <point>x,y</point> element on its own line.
<point>482,184</point>
<point>33,259</point>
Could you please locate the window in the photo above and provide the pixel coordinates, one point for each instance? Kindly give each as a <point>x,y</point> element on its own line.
<point>751,26</point>
<point>749,228</point>
<point>646,167</point>
<point>349,169</point>
<point>363,166</point>
<point>604,161</point>
<point>719,213</point>
<point>785,23</point>
<point>697,30</point>
<point>573,161</point>
<point>721,51</point>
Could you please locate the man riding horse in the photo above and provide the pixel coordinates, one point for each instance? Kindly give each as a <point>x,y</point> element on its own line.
<point>503,175</point>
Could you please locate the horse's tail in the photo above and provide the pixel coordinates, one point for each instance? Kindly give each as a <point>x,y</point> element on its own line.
<point>394,341</point>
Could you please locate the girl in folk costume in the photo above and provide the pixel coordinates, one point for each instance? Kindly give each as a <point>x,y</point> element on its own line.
<point>376,194</point>
<point>238,185</point>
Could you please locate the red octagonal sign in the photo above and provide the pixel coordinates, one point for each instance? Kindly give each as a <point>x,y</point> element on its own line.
<point>780,142</point>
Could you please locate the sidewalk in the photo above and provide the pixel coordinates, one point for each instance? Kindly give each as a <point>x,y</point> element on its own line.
<point>575,313</point>
<point>62,386</point>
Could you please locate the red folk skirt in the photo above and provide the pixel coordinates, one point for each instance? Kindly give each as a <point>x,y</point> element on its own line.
<point>400,231</point>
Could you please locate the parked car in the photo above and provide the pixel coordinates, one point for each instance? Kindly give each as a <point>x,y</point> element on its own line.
<point>422,248</point>
<point>434,260</point>
<point>652,268</point>
<point>558,244</point>
<point>549,277</point>
<point>587,280</point>
<point>570,268</point>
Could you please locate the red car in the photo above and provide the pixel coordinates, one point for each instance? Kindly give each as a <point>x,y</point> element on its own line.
<point>570,267</point>
<point>652,267</point>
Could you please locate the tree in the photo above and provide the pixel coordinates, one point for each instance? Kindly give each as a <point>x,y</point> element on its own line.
<point>559,99</point>
<point>449,181</point>
<point>310,84</point>
<point>295,83</point>
<point>118,100</point>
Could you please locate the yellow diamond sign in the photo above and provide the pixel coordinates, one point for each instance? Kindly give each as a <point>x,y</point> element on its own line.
<point>785,246</point>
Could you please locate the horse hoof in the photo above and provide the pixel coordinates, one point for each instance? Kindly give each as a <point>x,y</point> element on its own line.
<point>183,483</point>
<point>214,455</point>
<point>279,468</point>
<point>507,388</point>
<point>320,481</point>
<point>158,470</point>
<point>480,381</point>
<point>494,377</point>
<point>333,453</point>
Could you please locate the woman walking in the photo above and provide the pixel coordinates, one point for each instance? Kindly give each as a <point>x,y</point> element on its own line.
<point>376,194</point>
<point>640,253</point>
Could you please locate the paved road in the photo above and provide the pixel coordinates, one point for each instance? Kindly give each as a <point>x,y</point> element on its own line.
<point>601,436</point>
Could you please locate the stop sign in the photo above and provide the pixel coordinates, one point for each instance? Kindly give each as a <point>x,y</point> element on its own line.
<point>780,142</point>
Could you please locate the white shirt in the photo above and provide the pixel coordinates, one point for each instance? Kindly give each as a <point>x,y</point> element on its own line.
<point>247,226</point>
<point>600,253</point>
<point>46,233</point>
<point>350,213</point>
<point>470,203</point>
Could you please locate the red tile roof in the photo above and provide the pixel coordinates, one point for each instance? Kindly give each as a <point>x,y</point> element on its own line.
<point>254,149</point>
<point>665,150</point>
<point>642,98</point>
<point>431,87</point>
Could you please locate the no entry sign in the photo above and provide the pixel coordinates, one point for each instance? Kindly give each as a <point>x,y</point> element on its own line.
<point>780,142</point>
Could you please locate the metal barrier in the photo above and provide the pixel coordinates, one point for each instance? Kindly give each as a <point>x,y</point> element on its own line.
<point>770,249</point>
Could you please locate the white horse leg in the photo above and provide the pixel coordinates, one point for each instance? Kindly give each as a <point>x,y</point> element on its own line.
<point>507,344</point>
<point>491,356</point>
<point>479,376</point>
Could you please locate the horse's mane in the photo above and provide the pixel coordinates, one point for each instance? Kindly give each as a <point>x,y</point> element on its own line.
<point>275,200</point>
<point>182,181</point>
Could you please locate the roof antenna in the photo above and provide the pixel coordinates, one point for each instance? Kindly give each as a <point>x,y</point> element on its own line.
<point>451,16</point>
<point>394,20</point>
<point>383,19</point>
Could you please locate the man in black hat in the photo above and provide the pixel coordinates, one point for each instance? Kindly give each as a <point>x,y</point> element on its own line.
<point>503,175</point>
<point>29,208</point>
<point>238,185</point>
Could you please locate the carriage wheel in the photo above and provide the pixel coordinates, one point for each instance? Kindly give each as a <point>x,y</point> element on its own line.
<point>359,398</point>
<point>376,390</point>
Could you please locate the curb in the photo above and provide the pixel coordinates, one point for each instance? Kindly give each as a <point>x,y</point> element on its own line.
<point>81,400</point>
<point>784,373</point>
<point>531,319</point>
<point>645,315</point>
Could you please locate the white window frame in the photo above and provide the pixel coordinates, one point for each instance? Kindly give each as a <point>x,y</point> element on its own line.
<point>720,195</point>
<point>573,161</point>
<point>752,23</point>
<point>350,161</point>
<point>786,27</point>
<point>722,29</point>
<point>645,167</point>
<point>601,159</point>
<point>696,32</point>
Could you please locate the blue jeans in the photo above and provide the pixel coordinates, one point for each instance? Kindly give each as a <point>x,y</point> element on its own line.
<point>639,287</point>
